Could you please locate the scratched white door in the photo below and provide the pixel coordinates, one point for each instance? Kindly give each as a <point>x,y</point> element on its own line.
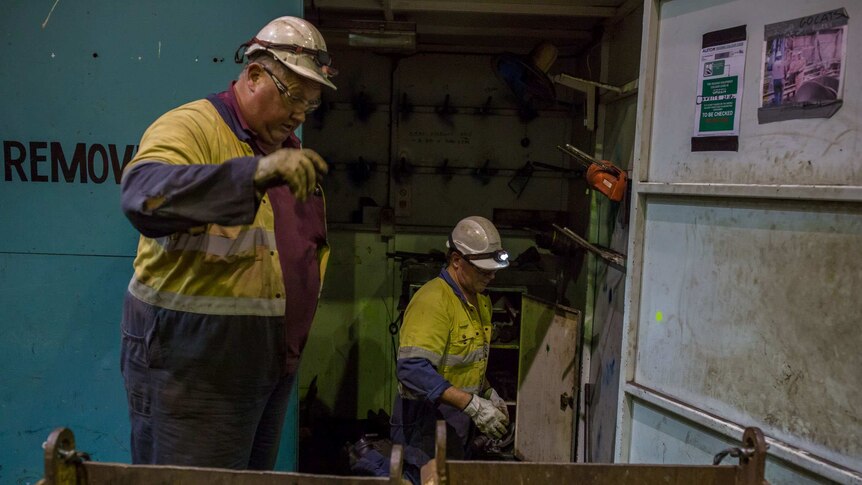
<point>745,267</point>
<point>548,378</point>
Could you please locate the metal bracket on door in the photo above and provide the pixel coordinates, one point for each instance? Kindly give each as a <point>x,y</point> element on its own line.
<point>566,400</point>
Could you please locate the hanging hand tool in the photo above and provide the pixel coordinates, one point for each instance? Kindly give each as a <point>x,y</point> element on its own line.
<point>602,175</point>
<point>613,258</point>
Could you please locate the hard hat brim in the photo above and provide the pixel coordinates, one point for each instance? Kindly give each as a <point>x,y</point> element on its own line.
<point>305,72</point>
<point>489,264</point>
<point>301,65</point>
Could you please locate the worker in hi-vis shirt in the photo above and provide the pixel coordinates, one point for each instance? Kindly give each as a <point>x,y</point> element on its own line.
<point>443,351</point>
<point>230,262</point>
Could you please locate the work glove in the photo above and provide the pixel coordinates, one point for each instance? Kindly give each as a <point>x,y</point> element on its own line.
<point>497,401</point>
<point>490,420</point>
<point>298,168</point>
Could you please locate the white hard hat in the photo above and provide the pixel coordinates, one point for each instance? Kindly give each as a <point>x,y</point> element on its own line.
<point>478,241</point>
<point>298,45</point>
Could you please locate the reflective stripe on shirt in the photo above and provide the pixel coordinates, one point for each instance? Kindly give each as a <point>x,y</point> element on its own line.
<point>210,305</point>
<point>409,352</point>
<point>219,245</point>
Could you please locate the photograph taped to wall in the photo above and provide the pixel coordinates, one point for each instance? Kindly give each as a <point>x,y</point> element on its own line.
<point>803,66</point>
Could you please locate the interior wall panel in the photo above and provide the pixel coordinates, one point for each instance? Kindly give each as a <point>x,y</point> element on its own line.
<point>812,151</point>
<point>756,303</point>
<point>469,140</point>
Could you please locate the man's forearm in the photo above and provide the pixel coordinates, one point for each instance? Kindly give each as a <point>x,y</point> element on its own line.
<point>456,397</point>
<point>161,199</point>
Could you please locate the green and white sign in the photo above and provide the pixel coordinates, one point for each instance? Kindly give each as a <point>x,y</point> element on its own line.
<point>718,105</point>
<point>719,92</point>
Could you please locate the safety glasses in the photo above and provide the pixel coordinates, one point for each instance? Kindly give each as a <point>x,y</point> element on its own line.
<point>481,271</point>
<point>307,106</point>
<point>499,256</point>
<point>321,57</point>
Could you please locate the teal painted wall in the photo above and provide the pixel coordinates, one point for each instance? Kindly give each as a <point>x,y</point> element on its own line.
<point>80,82</point>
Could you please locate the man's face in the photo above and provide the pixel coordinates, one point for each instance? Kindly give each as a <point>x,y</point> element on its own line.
<point>279,104</point>
<point>472,278</point>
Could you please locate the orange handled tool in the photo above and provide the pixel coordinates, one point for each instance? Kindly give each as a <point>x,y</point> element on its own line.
<point>601,174</point>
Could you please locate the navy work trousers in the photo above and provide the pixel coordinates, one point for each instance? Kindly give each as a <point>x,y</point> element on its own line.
<point>203,390</point>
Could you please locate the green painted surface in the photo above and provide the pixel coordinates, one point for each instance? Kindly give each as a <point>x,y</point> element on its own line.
<point>350,349</point>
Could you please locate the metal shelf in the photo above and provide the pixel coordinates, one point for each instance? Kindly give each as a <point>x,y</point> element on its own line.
<point>504,346</point>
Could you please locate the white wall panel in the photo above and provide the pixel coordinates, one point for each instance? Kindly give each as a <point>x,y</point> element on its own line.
<point>814,151</point>
<point>750,311</point>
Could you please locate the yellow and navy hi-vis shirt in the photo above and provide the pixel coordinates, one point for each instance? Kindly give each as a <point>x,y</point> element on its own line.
<point>440,325</point>
<point>240,260</point>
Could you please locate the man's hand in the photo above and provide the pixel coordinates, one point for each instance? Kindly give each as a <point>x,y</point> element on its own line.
<point>298,168</point>
<point>497,401</point>
<point>487,417</point>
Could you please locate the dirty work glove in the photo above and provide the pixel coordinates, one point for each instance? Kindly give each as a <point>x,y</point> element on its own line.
<point>497,401</point>
<point>298,168</point>
<point>487,417</point>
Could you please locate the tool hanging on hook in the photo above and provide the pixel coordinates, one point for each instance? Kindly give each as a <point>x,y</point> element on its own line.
<point>613,258</point>
<point>602,175</point>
